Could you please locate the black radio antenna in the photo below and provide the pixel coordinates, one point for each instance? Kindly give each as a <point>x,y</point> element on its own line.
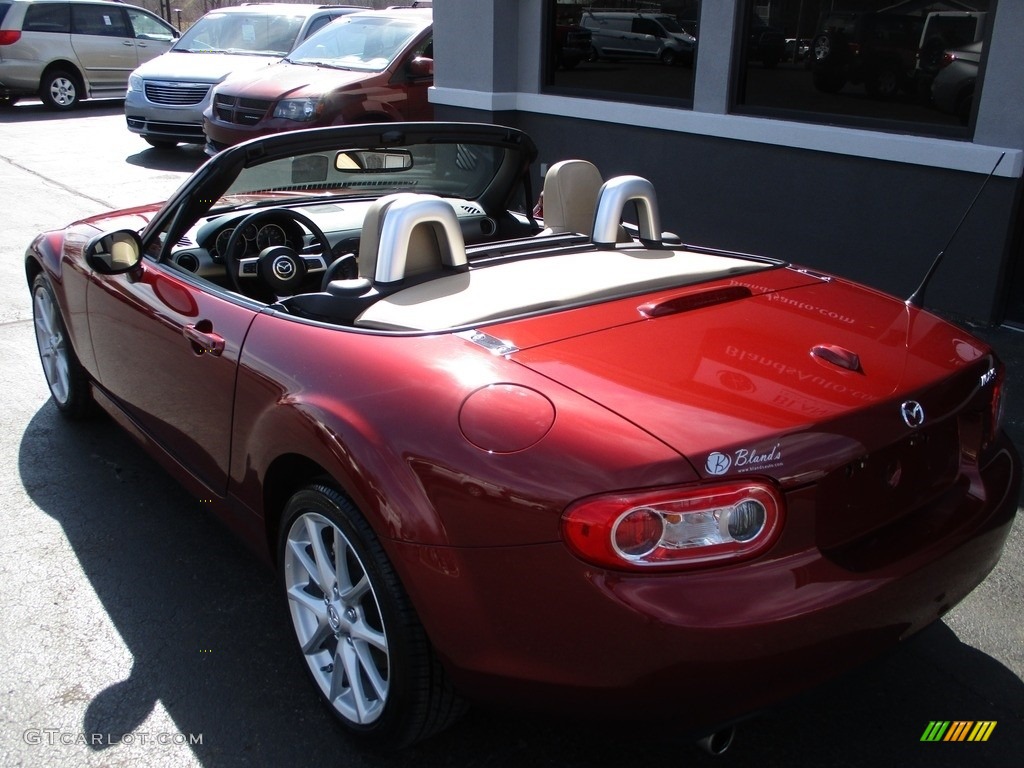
<point>917,297</point>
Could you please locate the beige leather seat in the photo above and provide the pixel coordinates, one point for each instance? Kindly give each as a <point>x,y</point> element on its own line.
<point>570,197</point>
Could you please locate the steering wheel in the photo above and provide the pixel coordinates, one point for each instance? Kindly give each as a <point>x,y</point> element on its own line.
<point>280,267</point>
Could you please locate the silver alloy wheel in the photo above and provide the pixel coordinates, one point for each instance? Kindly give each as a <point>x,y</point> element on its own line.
<point>337,618</point>
<point>52,343</point>
<point>63,91</point>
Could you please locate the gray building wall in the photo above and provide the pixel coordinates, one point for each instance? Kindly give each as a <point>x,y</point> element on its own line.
<point>869,205</point>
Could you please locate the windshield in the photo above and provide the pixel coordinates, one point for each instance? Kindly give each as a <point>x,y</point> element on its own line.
<point>256,33</point>
<point>461,170</point>
<point>671,25</point>
<point>367,43</point>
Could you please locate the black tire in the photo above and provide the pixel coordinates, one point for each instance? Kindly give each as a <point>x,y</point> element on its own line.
<point>67,380</point>
<point>883,84</point>
<point>60,89</point>
<point>669,57</point>
<point>392,689</point>
<point>160,143</point>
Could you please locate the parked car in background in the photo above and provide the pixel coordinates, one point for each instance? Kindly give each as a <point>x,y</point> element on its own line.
<point>888,52</point>
<point>167,95</point>
<point>374,66</point>
<point>576,467</point>
<point>64,51</point>
<point>639,35</point>
<point>765,43</point>
<point>572,44</point>
<point>953,86</point>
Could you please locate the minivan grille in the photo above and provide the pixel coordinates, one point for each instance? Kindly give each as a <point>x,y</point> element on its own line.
<point>177,94</point>
<point>238,110</point>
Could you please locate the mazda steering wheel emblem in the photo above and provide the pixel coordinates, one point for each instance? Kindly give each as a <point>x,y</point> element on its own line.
<point>283,267</point>
<point>913,414</point>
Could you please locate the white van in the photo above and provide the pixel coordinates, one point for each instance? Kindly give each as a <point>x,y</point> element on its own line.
<point>626,34</point>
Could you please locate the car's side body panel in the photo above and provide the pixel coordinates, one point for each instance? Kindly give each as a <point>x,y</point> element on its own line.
<point>168,351</point>
<point>385,416</point>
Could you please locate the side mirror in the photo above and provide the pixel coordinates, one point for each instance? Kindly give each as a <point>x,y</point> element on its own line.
<point>114,253</point>
<point>421,66</point>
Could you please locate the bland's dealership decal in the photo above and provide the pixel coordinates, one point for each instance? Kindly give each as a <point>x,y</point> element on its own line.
<point>744,460</point>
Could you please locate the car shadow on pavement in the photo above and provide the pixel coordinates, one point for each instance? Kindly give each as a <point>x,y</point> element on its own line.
<point>211,640</point>
<point>184,157</point>
<point>33,111</point>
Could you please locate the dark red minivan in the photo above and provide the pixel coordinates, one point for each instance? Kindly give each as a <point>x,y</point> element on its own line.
<point>368,68</point>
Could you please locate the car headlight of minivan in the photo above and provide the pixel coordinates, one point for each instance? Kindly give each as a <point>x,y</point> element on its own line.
<point>135,82</point>
<point>302,110</point>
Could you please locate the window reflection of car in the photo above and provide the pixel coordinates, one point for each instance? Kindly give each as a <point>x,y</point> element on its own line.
<point>765,43</point>
<point>795,52</point>
<point>628,34</point>
<point>572,44</point>
<point>887,52</point>
<point>953,86</point>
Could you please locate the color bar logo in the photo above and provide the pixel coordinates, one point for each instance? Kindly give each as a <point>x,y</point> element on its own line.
<point>958,730</point>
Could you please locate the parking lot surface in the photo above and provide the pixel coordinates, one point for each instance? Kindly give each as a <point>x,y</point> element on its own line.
<point>136,631</point>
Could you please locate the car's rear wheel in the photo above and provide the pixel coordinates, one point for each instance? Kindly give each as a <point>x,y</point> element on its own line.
<point>68,382</point>
<point>363,644</point>
<point>59,89</point>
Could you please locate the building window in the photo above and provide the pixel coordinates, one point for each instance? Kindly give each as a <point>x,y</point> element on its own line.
<point>643,52</point>
<point>908,66</point>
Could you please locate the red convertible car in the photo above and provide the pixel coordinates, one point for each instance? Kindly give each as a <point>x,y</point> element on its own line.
<point>572,464</point>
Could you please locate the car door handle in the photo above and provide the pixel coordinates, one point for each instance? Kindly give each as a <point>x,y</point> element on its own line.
<point>204,340</point>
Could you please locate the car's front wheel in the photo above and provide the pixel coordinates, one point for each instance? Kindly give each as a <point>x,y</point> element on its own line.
<point>362,642</point>
<point>157,143</point>
<point>59,89</point>
<point>68,382</point>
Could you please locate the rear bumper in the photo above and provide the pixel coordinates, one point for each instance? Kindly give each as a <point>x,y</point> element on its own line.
<point>532,626</point>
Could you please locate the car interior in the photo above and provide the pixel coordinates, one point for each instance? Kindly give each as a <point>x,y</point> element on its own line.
<point>411,261</point>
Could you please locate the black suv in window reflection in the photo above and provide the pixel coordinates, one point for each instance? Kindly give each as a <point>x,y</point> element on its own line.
<point>888,52</point>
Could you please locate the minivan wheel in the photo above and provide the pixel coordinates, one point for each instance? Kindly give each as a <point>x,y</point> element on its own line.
<point>668,57</point>
<point>160,143</point>
<point>59,89</point>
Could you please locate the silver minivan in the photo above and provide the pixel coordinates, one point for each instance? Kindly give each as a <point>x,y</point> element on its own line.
<point>631,34</point>
<point>167,96</point>
<point>66,50</point>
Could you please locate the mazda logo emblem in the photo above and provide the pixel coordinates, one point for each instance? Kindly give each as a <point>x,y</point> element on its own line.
<point>283,267</point>
<point>913,414</point>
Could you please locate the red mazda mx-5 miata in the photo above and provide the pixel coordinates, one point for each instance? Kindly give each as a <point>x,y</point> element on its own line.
<point>569,464</point>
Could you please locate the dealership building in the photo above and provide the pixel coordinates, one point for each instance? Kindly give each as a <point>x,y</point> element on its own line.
<point>753,146</point>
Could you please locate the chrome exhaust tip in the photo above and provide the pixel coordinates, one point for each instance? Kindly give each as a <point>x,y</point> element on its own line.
<point>718,742</point>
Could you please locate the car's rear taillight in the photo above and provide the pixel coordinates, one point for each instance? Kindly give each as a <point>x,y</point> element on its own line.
<point>9,36</point>
<point>675,528</point>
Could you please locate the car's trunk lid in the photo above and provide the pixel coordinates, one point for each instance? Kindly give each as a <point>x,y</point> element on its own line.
<point>780,373</point>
